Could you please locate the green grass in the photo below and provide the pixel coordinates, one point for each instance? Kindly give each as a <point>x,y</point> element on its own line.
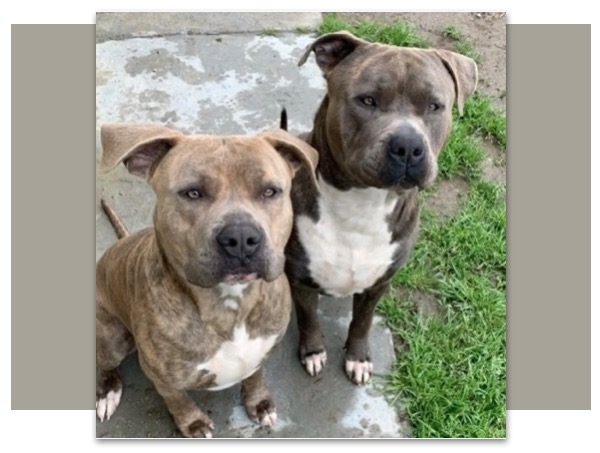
<point>484,119</point>
<point>463,153</point>
<point>398,33</point>
<point>450,372</point>
<point>462,44</point>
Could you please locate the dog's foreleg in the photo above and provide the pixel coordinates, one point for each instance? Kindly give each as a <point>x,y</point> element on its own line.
<point>358,353</point>
<point>257,400</point>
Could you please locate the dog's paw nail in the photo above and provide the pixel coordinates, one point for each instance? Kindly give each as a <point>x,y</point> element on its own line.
<point>199,428</point>
<point>359,372</point>
<point>314,363</point>
<point>101,409</point>
<point>269,419</point>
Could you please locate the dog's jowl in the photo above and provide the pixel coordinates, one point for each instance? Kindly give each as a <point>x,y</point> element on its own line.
<point>379,130</point>
<point>201,295</point>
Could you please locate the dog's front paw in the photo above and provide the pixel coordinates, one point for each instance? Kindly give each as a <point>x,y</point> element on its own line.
<point>201,427</point>
<point>106,406</point>
<point>359,371</point>
<point>264,412</point>
<point>108,394</point>
<point>314,362</point>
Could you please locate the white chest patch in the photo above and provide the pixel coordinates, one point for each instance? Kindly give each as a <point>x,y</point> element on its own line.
<point>237,359</point>
<point>350,247</point>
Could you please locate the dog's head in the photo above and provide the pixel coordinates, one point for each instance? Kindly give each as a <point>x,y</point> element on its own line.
<point>223,212</point>
<point>389,108</point>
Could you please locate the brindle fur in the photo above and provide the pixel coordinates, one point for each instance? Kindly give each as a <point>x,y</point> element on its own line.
<point>157,290</point>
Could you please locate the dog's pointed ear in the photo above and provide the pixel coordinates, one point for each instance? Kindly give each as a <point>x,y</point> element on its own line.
<point>295,151</point>
<point>464,73</point>
<point>139,146</point>
<point>332,48</point>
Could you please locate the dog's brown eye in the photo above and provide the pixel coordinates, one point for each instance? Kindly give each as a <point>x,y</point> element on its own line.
<point>193,194</point>
<point>368,101</point>
<point>433,107</point>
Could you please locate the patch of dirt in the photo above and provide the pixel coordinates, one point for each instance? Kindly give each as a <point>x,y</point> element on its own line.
<point>425,304</point>
<point>494,165</point>
<point>447,198</point>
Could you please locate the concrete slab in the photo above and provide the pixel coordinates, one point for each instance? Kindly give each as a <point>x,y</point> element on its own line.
<point>230,84</point>
<point>121,25</point>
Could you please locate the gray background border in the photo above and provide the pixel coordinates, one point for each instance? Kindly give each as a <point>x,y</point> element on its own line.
<point>52,217</point>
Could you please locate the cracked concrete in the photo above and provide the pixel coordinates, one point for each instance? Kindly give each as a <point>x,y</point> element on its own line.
<point>229,84</point>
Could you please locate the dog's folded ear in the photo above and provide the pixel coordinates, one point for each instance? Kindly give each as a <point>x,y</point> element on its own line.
<point>139,146</point>
<point>464,73</point>
<point>332,48</point>
<point>296,152</point>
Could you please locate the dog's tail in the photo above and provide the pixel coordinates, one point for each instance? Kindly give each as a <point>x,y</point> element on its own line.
<point>283,119</point>
<point>115,221</point>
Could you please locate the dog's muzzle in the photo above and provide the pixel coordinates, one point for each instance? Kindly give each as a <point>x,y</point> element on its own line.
<point>405,162</point>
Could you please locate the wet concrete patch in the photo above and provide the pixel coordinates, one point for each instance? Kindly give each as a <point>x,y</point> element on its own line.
<point>247,78</point>
<point>160,63</point>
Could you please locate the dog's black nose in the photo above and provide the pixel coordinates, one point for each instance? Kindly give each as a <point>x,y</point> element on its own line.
<point>406,147</point>
<point>240,240</point>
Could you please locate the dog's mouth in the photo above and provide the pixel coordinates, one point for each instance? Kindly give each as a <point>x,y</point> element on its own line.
<point>228,278</point>
<point>240,277</point>
<point>406,182</point>
<point>375,177</point>
<point>209,275</point>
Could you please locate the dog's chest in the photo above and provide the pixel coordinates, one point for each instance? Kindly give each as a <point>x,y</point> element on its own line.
<point>237,358</point>
<point>350,247</point>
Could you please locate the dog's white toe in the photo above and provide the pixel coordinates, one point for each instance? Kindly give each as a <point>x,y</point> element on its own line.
<point>359,372</point>
<point>269,420</point>
<point>105,407</point>
<point>314,363</point>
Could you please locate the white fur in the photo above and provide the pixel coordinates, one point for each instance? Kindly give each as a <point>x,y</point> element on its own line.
<point>105,407</point>
<point>231,303</point>
<point>315,363</point>
<point>349,247</point>
<point>359,372</point>
<point>237,359</point>
<point>233,290</point>
<point>269,420</point>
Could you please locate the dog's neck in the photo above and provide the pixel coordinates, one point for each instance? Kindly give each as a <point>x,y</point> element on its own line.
<point>328,168</point>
